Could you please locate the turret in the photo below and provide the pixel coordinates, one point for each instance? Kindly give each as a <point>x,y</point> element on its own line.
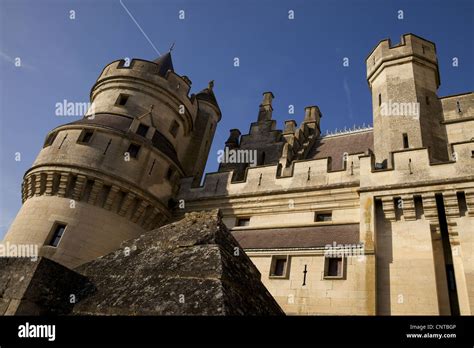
<point>112,175</point>
<point>407,113</point>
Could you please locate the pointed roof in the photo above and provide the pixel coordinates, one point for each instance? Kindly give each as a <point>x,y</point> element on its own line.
<point>208,95</point>
<point>165,62</point>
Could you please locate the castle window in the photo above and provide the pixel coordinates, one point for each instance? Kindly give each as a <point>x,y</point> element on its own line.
<point>142,130</point>
<point>169,173</point>
<point>85,136</point>
<point>405,141</point>
<point>262,159</point>
<point>461,196</point>
<point>380,99</point>
<point>122,99</point>
<point>398,206</point>
<point>242,222</point>
<point>58,232</point>
<point>333,267</point>
<point>50,139</point>
<point>174,128</point>
<point>458,105</point>
<point>418,207</point>
<point>133,150</point>
<point>279,267</point>
<point>321,217</point>
<point>427,100</point>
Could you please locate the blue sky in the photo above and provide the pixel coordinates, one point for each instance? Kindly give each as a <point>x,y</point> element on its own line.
<point>299,60</point>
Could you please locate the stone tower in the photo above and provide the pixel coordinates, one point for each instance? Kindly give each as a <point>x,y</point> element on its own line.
<point>407,112</point>
<point>113,175</point>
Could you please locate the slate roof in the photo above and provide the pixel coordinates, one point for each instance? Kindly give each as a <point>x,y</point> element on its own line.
<point>297,237</point>
<point>165,62</point>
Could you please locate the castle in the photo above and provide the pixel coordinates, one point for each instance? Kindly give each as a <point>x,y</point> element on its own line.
<point>371,221</point>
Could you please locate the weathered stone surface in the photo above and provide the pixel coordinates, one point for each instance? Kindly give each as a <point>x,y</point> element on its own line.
<point>191,267</point>
<point>41,287</point>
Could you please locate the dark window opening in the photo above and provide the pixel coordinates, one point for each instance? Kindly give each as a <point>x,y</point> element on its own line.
<point>398,206</point>
<point>448,256</point>
<point>57,235</point>
<point>243,222</point>
<point>333,267</point>
<point>458,105</point>
<point>50,139</point>
<point>174,128</point>
<point>122,99</point>
<point>380,99</point>
<point>427,99</point>
<point>319,217</point>
<point>86,136</point>
<point>418,207</point>
<point>405,141</point>
<point>169,173</point>
<point>133,150</point>
<point>262,159</point>
<point>142,130</point>
<point>279,266</point>
<point>461,196</point>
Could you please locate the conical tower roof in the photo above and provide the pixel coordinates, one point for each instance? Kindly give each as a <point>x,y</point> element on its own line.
<point>165,62</point>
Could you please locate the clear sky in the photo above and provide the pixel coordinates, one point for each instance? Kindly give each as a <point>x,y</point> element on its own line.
<point>299,60</point>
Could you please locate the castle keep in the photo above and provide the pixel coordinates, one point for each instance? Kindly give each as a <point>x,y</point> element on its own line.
<point>369,221</point>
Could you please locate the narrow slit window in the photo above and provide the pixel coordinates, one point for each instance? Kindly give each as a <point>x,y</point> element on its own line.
<point>169,173</point>
<point>418,207</point>
<point>405,141</point>
<point>427,99</point>
<point>462,204</point>
<point>458,105</point>
<point>380,99</point>
<point>58,233</point>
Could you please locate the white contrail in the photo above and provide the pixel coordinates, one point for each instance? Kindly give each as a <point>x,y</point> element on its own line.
<point>139,27</point>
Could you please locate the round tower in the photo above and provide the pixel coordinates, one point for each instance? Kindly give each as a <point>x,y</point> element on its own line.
<point>407,113</point>
<point>112,175</point>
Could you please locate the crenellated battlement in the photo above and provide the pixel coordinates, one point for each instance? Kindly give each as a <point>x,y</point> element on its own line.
<point>148,74</point>
<point>413,167</point>
<point>304,174</point>
<point>410,46</point>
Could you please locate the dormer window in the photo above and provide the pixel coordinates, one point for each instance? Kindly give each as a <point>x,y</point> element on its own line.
<point>142,130</point>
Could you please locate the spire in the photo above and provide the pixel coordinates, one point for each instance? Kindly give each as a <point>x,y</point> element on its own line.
<point>165,62</point>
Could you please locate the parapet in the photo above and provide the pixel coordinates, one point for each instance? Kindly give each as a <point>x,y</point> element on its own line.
<point>303,174</point>
<point>413,167</point>
<point>149,72</point>
<point>409,46</point>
